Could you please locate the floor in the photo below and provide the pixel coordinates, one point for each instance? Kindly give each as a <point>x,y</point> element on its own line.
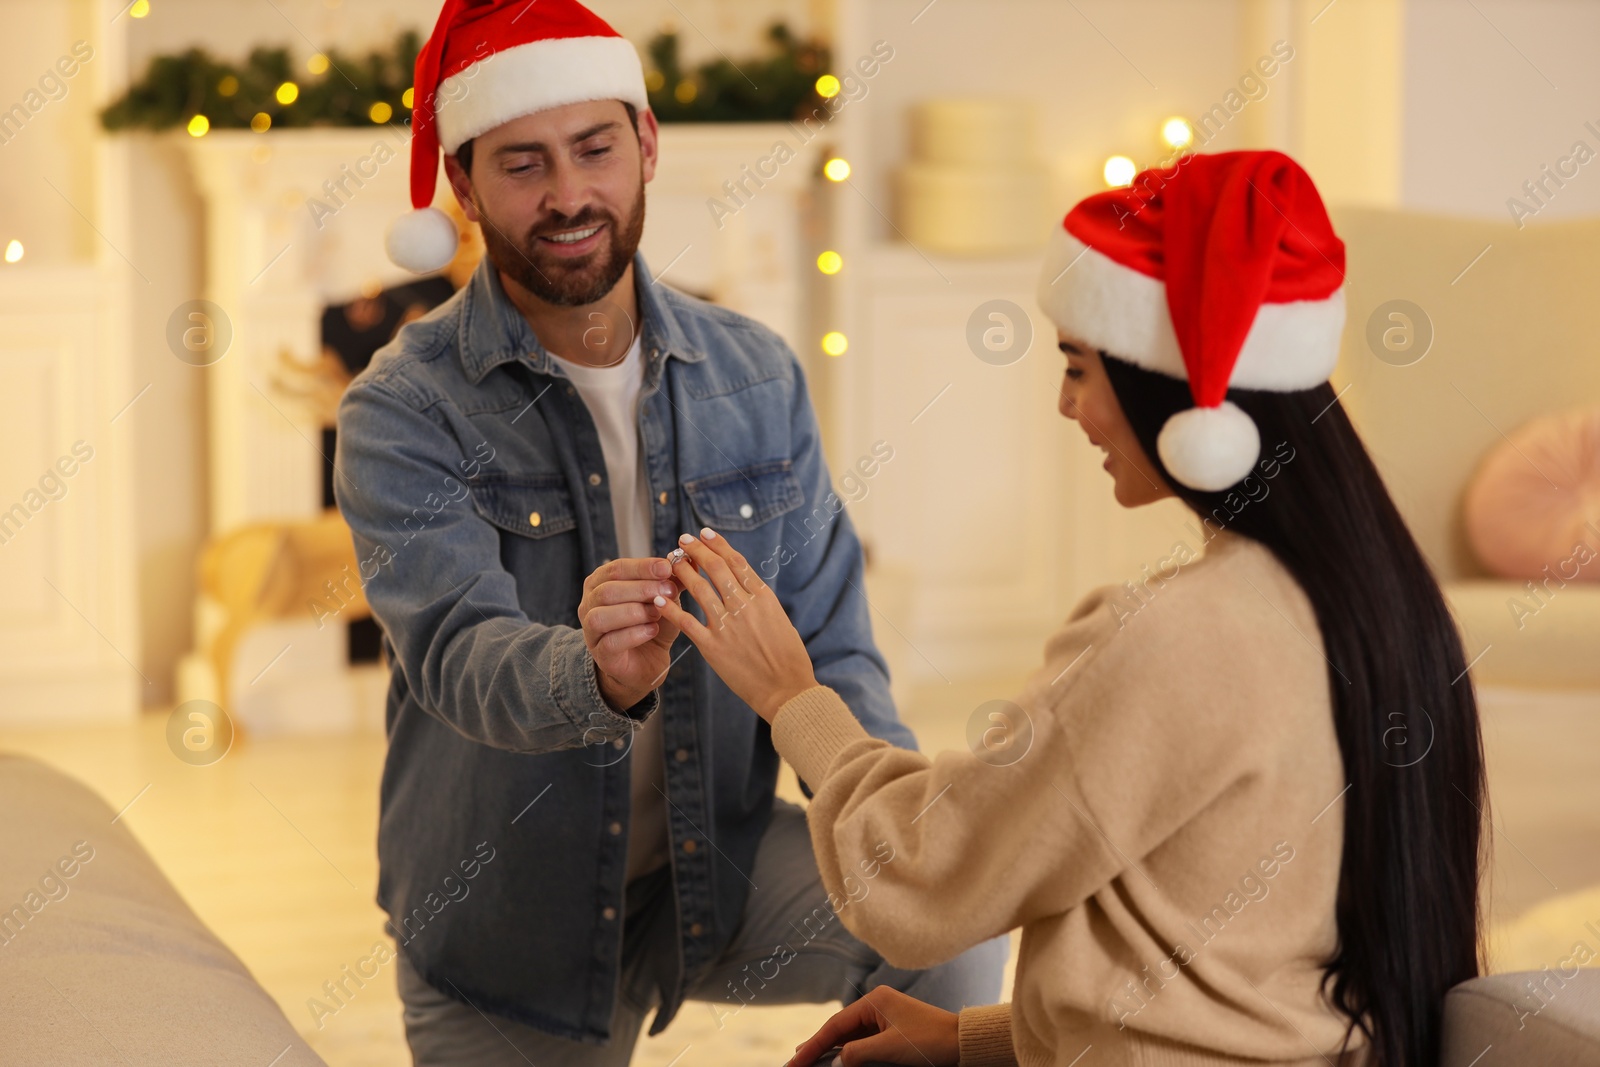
<point>273,846</point>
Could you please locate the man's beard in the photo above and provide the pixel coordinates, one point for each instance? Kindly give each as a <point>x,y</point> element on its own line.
<point>563,281</point>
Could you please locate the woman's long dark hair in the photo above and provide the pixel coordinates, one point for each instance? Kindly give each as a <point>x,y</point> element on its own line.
<point>1403,706</point>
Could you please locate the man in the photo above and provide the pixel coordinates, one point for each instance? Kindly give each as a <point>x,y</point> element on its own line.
<point>578,818</point>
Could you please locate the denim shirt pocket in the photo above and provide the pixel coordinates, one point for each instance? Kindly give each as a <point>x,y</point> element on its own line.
<point>536,506</point>
<point>539,546</point>
<point>745,499</point>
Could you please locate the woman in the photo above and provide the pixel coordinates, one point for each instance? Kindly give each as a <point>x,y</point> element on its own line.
<point>1241,822</point>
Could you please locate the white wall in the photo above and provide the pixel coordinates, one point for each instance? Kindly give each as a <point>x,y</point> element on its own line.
<point>1494,90</point>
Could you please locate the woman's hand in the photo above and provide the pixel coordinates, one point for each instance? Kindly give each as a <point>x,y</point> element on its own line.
<point>746,638</point>
<point>886,1026</point>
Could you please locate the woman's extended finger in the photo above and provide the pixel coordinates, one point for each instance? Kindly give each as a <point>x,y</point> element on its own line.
<point>672,612</point>
<point>706,594</point>
<point>736,562</point>
<point>707,559</point>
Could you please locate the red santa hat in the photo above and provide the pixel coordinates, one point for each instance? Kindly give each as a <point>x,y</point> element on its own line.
<point>1222,270</point>
<point>488,62</point>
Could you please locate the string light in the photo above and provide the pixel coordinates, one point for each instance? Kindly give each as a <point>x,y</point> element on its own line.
<point>317,64</point>
<point>199,126</point>
<point>835,343</point>
<point>406,98</point>
<point>288,93</point>
<point>836,169</point>
<point>380,112</point>
<point>14,251</point>
<point>827,86</point>
<point>261,122</point>
<point>1119,171</point>
<point>228,85</point>
<point>140,9</point>
<point>830,262</point>
<point>654,80</point>
<point>1177,132</point>
<point>686,91</point>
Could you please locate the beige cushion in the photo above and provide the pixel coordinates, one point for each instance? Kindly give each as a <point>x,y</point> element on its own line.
<point>1533,509</point>
<point>1521,1020</point>
<point>101,961</point>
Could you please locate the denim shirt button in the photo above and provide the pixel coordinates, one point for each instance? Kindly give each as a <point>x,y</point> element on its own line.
<point>594,479</point>
<point>695,930</point>
<point>616,828</point>
<point>609,913</point>
<point>690,845</point>
<point>745,511</point>
<point>682,755</point>
<point>663,497</point>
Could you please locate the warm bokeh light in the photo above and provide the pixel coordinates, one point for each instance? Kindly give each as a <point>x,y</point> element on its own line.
<point>1177,132</point>
<point>827,86</point>
<point>199,126</point>
<point>830,262</point>
<point>140,9</point>
<point>261,122</point>
<point>406,98</point>
<point>835,343</point>
<point>686,91</point>
<point>654,80</point>
<point>13,251</point>
<point>1119,171</point>
<point>317,64</point>
<point>288,93</point>
<point>228,85</point>
<point>836,169</point>
<point>380,112</point>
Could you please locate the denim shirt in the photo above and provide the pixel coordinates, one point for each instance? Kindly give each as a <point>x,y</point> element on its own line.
<point>471,475</point>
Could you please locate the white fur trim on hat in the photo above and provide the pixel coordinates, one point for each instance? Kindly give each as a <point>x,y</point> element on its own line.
<point>1209,449</point>
<point>422,241</point>
<point>1290,346</point>
<point>535,76</point>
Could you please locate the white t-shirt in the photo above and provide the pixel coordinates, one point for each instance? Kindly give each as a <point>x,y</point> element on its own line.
<point>612,396</point>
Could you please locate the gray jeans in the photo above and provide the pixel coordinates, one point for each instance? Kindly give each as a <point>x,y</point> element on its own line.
<point>832,965</point>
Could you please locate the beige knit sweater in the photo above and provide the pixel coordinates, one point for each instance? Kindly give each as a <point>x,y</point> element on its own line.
<point>1168,839</point>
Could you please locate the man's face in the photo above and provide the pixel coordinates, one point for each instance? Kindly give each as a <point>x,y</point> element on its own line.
<point>560,197</point>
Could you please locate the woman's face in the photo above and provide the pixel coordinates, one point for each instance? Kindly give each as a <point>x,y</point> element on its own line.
<point>1088,399</point>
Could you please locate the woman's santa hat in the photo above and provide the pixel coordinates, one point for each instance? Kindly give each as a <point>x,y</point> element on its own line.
<point>488,62</point>
<point>1223,271</point>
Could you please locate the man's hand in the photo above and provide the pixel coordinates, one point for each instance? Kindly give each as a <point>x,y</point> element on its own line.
<point>630,642</point>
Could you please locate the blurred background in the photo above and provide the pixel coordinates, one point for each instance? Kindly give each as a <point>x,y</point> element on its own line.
<point>193,195</point>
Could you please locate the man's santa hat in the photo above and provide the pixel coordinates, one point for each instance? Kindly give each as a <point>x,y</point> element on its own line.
<point>488,62</point>
<point>1223,271</point>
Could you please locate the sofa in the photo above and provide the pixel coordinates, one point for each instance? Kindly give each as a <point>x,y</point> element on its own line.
<point>101,961</point>
<point>1511,339</point>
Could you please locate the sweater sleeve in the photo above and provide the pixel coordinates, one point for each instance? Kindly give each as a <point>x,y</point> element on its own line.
<point>938,854</point>
<point>1128,731</point>
<point>984,1036</point>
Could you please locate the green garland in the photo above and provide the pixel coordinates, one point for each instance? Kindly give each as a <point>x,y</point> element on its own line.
<point>363,90</point>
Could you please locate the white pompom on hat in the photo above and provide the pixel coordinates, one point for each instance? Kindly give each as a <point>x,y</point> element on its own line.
<point>1223,271</point>
<point>486,63</point>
